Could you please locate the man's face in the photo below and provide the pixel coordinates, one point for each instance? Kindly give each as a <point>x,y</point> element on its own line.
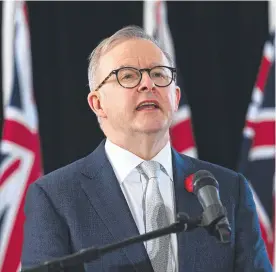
<point>119,106</point>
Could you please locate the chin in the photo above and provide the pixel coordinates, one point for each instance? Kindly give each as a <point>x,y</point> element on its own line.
<point>151,129</point>
<point>151,125</point>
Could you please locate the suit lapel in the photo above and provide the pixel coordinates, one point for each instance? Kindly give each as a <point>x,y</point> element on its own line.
<point>183,166</point>
<point>106,196</point>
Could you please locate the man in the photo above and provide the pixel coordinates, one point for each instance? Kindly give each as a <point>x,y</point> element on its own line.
<point>134,181</point>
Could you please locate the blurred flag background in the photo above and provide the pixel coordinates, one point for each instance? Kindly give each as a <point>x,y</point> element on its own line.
<point>257,156</point>
<point>20,162</point>
<point>221,51</point>
<point>257,160</point>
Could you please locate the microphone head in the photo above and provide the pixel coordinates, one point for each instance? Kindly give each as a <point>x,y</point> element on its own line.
<point>202,178</point>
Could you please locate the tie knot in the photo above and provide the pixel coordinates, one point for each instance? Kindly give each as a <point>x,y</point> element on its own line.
<point>149,168</point>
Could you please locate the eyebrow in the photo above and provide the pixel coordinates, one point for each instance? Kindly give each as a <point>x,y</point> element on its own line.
<point>153,64</point>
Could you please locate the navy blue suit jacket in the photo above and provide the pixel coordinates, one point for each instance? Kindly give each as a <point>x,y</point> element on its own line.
<point>81,205</point>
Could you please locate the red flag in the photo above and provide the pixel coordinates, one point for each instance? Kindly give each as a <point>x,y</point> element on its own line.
<point>257,161</point>
<point>20,162</point>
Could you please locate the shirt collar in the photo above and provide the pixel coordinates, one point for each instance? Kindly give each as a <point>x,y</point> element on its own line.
<point>123,161</point>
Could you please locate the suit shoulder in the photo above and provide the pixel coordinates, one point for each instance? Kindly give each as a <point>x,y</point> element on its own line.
<point>220,172</point>
<point>62,176</point>
<point>68,177</point>
<point>230,182</point>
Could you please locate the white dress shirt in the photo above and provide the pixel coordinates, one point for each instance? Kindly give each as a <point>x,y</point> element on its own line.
<point>133,184</point>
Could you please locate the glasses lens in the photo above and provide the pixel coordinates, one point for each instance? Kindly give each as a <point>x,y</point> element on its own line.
<point>161,76</point>
<point>128,77</point>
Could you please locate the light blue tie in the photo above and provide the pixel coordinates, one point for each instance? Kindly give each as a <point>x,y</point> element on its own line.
<point>155,217</point>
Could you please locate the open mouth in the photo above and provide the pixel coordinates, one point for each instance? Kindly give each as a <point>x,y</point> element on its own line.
<point>147,106</point>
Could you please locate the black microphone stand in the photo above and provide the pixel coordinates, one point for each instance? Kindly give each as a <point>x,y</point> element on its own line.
<point>75,262</point>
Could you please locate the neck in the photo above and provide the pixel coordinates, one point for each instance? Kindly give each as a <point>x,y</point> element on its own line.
<point>145,146</point>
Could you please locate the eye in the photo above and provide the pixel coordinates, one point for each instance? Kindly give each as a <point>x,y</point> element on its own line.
<point>158,74</point>
<point>127,76</point>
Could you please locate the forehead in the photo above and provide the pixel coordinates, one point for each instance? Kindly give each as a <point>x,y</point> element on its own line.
<point>136,52</point>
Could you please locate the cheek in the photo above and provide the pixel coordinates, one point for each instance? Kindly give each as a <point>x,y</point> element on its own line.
<point>175,98</point>
<point>170,100</point>
<point>117,103</point>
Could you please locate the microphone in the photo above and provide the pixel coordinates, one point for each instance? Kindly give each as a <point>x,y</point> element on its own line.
<point>202,184</point>
<point>214,217</point>
<point>75,261</point>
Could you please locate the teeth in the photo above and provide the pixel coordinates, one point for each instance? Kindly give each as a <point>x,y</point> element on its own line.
<point>147,104</point>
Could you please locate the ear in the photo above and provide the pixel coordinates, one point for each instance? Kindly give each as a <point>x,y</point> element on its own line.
<point>177,97</point>
<point>95,103</point>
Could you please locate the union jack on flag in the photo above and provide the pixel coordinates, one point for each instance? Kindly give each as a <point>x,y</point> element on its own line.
<point>156,25</point>
<point>257,159</point>
<point>20,162</point>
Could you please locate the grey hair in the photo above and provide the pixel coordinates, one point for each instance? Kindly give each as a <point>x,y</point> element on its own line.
<point>126,33</point>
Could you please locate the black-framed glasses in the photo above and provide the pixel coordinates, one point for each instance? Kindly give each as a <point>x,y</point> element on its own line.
<point>130,77</point>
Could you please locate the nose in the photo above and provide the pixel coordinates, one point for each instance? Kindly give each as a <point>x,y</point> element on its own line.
<point>146,84</point>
